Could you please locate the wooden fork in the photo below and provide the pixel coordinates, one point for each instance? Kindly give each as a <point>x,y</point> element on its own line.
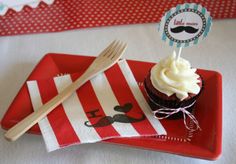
<point>105,60</point>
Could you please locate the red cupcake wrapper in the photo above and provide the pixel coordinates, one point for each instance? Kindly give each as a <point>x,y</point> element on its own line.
<point>157,102</point>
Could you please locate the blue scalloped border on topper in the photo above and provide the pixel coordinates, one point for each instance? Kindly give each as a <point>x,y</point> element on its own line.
<point>198,8</point>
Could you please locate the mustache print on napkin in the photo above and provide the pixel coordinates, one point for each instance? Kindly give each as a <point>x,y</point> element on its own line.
<point>122,118</point>
<point>188,29</point>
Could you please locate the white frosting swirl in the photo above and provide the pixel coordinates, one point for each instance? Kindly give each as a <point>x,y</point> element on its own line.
<point>171,76</point>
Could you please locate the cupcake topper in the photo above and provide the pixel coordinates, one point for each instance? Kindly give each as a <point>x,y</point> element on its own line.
<point>185,25</point>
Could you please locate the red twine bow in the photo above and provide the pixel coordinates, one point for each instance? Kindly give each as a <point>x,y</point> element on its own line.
<point>170,111</point>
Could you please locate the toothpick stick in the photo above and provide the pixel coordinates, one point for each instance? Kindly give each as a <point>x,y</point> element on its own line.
<point>179,53</point>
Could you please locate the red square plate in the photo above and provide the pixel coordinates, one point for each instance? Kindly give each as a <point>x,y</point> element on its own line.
<point>206,144</point>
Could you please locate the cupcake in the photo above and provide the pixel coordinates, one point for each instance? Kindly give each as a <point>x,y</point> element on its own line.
<point>172,85</point>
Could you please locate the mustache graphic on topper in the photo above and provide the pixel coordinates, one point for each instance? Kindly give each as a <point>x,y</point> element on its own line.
<point>187,29</point>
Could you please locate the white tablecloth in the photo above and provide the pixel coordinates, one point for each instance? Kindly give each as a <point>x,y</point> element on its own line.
<point>19,55</point>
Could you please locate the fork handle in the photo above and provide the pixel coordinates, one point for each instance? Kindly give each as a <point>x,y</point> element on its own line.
<point>20,128</point>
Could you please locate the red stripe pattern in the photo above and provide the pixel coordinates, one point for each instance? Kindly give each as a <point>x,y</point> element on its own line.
<point>83,119</point>
<point>118,83</point>
<point>75,14</point>
<point>90,102</point>
<point>48,90</point>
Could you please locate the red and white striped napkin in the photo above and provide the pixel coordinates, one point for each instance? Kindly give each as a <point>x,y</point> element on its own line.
<point>108,106</point>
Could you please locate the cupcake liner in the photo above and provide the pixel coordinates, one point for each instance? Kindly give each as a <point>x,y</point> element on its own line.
<point>157,102</point>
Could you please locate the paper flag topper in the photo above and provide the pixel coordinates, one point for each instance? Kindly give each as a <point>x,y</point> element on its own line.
<point>185,25</point>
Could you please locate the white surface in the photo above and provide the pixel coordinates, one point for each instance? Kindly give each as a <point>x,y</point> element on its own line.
<point>12,3</point>
<point>18,5</point>
<point>19,55</point>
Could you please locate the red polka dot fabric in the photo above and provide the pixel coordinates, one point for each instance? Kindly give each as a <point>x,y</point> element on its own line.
<point>75,14</point>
